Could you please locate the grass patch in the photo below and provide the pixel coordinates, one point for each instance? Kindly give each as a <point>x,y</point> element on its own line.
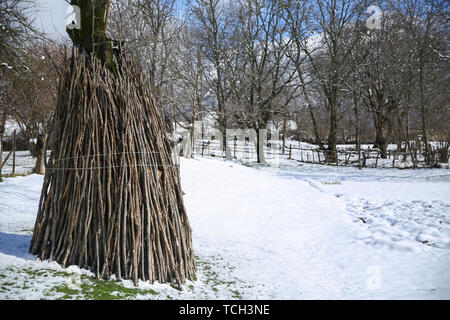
<point>28,231</point>
<point>11,175</point>
<point>92,288</point>
<point>19,282</point>
<point>68,293</point>
<point>74,286</point>
<point>236,294</point>
<point>331,182</point>
<point>217,276</point>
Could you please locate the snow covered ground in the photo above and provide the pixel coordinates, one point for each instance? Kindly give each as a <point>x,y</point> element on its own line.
<point>294,232</point>
<point>24,163</point>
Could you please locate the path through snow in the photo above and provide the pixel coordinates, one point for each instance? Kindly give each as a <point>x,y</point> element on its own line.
<point>293,236</point>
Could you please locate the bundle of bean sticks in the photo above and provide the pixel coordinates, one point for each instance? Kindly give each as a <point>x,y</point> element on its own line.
<point>111,200</point>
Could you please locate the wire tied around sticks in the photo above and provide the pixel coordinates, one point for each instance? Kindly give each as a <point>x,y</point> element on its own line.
<point>110,166</point>
<point>106,154</point>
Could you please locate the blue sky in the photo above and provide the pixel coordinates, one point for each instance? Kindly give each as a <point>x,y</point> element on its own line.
<point>52,17</point>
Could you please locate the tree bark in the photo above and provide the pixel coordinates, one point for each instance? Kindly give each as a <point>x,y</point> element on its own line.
<point>332,136</point>
<point>91,37</point>
<point>40,154</point>
<point>423,112</point>
<point>261,136</point>
<point>357,130</point>
<point>2,132</point>
<point>284,133</point>
<point>380,140</point>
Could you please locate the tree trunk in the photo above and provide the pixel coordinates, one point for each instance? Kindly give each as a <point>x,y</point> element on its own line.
<point>357,130</point>
<point>311,113</point>
<point>91,36</point>
<point>40,154</point>
<point>2,132</point>
<point>332,136</point>
<point>380,140</point>
<point>408,142</point>
<point>261,136</point>
<point>424,109</point>
<point>284,133</point>
<point>187,152</point>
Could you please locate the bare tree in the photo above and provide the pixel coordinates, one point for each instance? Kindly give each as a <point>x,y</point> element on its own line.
<point>190,89</point>
<point>33,94</point>
<point>266,73</point>
<point>150,30</point>
<point>327,54</point>
<point>16,27</point>
<point>216,21</point>
<point>426,25</point>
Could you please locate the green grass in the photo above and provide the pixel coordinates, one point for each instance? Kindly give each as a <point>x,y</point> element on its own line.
<point>236,294</point>
<point>75,287</point>
<point>18,282</point>
<point>215,280</point>
<point>11,175</point>
<point>331,182</point>
<point>92,288</point>
<point>27,231</point>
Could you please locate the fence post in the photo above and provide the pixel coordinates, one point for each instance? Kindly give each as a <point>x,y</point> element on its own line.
<point>376,160</point>
<point>290,152</point>
<point>394,152</point>
<point>246,150</point>
<point>14,154</point>
<point>358,147</point>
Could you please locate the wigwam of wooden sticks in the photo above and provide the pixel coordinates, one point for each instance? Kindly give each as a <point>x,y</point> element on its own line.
<point>111,200</point>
